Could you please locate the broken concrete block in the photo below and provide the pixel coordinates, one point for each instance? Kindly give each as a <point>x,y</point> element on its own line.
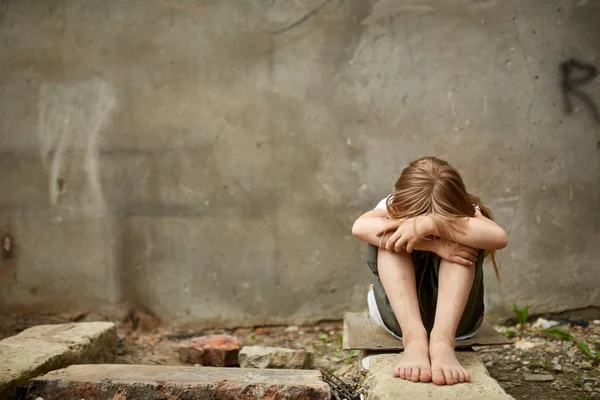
<point>154,382</point>
<point>212,350</point>
<point>43,348</point>
<point>380,383</point>
<point>275,357</point>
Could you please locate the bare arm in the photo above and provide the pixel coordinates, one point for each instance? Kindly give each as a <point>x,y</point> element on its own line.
<point>478,232</point>
<point>481,233</point>
<point>369,224</point>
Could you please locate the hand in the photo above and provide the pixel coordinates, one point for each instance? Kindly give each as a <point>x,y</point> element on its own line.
<point>456,252</point>
<point>407,233</point>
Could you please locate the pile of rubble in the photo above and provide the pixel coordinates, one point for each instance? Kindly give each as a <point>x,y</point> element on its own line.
<point>549,359</point>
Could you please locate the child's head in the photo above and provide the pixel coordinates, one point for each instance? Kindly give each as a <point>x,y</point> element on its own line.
<point>430,186</point>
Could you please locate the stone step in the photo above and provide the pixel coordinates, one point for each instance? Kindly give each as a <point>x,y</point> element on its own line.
<point>362,333</point>
<point>153,382</point>
<point>44,348</point>
<point>380,383</point>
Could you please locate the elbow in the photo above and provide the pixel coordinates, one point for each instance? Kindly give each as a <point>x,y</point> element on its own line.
<point>501,239</point>
<point>356,229</point>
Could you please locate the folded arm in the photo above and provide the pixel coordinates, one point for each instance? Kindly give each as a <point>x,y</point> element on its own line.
<point>481,233</point>
<point>369,224</point>
<point>376,228</point>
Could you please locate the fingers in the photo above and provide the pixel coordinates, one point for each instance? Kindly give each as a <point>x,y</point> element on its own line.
<point>391,243</point>
<point>470,250</point>
<point>400,244</point>
<point>410,246</point>
<point>460,261</point>
<point>467,256</point>
<point>389,226</point>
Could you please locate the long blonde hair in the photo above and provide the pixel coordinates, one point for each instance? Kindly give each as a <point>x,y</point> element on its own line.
<point>430,186</point>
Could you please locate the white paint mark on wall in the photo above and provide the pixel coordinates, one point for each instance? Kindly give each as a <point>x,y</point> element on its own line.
<point>71,117</point>
<point>452,107</point>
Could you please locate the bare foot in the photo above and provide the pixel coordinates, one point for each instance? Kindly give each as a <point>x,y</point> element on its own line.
<point>445,368</point>
<point>414,362</point>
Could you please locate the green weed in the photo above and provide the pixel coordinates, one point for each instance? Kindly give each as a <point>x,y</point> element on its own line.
<point>349,357</point>
<point>556,333</point>
<point>522,315</point>
<point>510,334</point>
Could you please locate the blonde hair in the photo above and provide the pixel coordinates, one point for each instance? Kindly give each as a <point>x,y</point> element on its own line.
<point>430,186</point>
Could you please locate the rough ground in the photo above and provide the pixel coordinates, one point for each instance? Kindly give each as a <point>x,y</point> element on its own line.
<point>575,375</point>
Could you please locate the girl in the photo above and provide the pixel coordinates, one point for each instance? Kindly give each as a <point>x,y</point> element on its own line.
<point>430,228</point>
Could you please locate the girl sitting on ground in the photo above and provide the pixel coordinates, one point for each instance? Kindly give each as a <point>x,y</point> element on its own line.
<point>430,227</point>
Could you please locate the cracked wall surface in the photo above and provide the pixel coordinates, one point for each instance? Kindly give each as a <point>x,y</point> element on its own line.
<point>205,160</point>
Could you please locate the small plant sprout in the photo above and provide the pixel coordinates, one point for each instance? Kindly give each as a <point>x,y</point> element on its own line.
<point>522,315</point>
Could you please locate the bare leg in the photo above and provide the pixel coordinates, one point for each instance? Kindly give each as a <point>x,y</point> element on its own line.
<point>455,282</point>
<point>397,274</point>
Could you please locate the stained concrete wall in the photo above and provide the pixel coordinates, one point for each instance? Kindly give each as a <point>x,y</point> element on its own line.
<point>199,159</point>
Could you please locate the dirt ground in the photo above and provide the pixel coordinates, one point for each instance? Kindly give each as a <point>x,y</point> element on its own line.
<point>568,355</point>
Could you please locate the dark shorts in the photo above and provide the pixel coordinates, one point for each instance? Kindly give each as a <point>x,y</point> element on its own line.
<point>426,270</point>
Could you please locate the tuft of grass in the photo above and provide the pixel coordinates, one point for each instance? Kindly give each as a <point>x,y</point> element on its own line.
<point>351,355</point>
<point>556,333</point>
<point>585,348</point>
<point>522,315</point>
<point>510,334</point>
<point>252,336</point>
<point>560,334</point>
<point>324,336</point>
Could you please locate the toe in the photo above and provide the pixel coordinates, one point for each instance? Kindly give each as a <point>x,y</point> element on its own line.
<point>467,376</point>
<point>437,376</point>
<point>425,375</point>
<point>448,377</point>
<point>400,373</point>
<point>455,376</point>
<point>416,372</point>
<point>461,376</point>
<point>408,373</point>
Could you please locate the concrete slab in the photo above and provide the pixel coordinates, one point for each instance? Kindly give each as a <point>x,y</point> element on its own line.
<point>44,348</point>
<point>361,333</point>
<point>380,383</point>
<point>151,382</point>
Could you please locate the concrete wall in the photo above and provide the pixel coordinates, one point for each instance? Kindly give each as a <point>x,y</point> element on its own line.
<point>189,157</point>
